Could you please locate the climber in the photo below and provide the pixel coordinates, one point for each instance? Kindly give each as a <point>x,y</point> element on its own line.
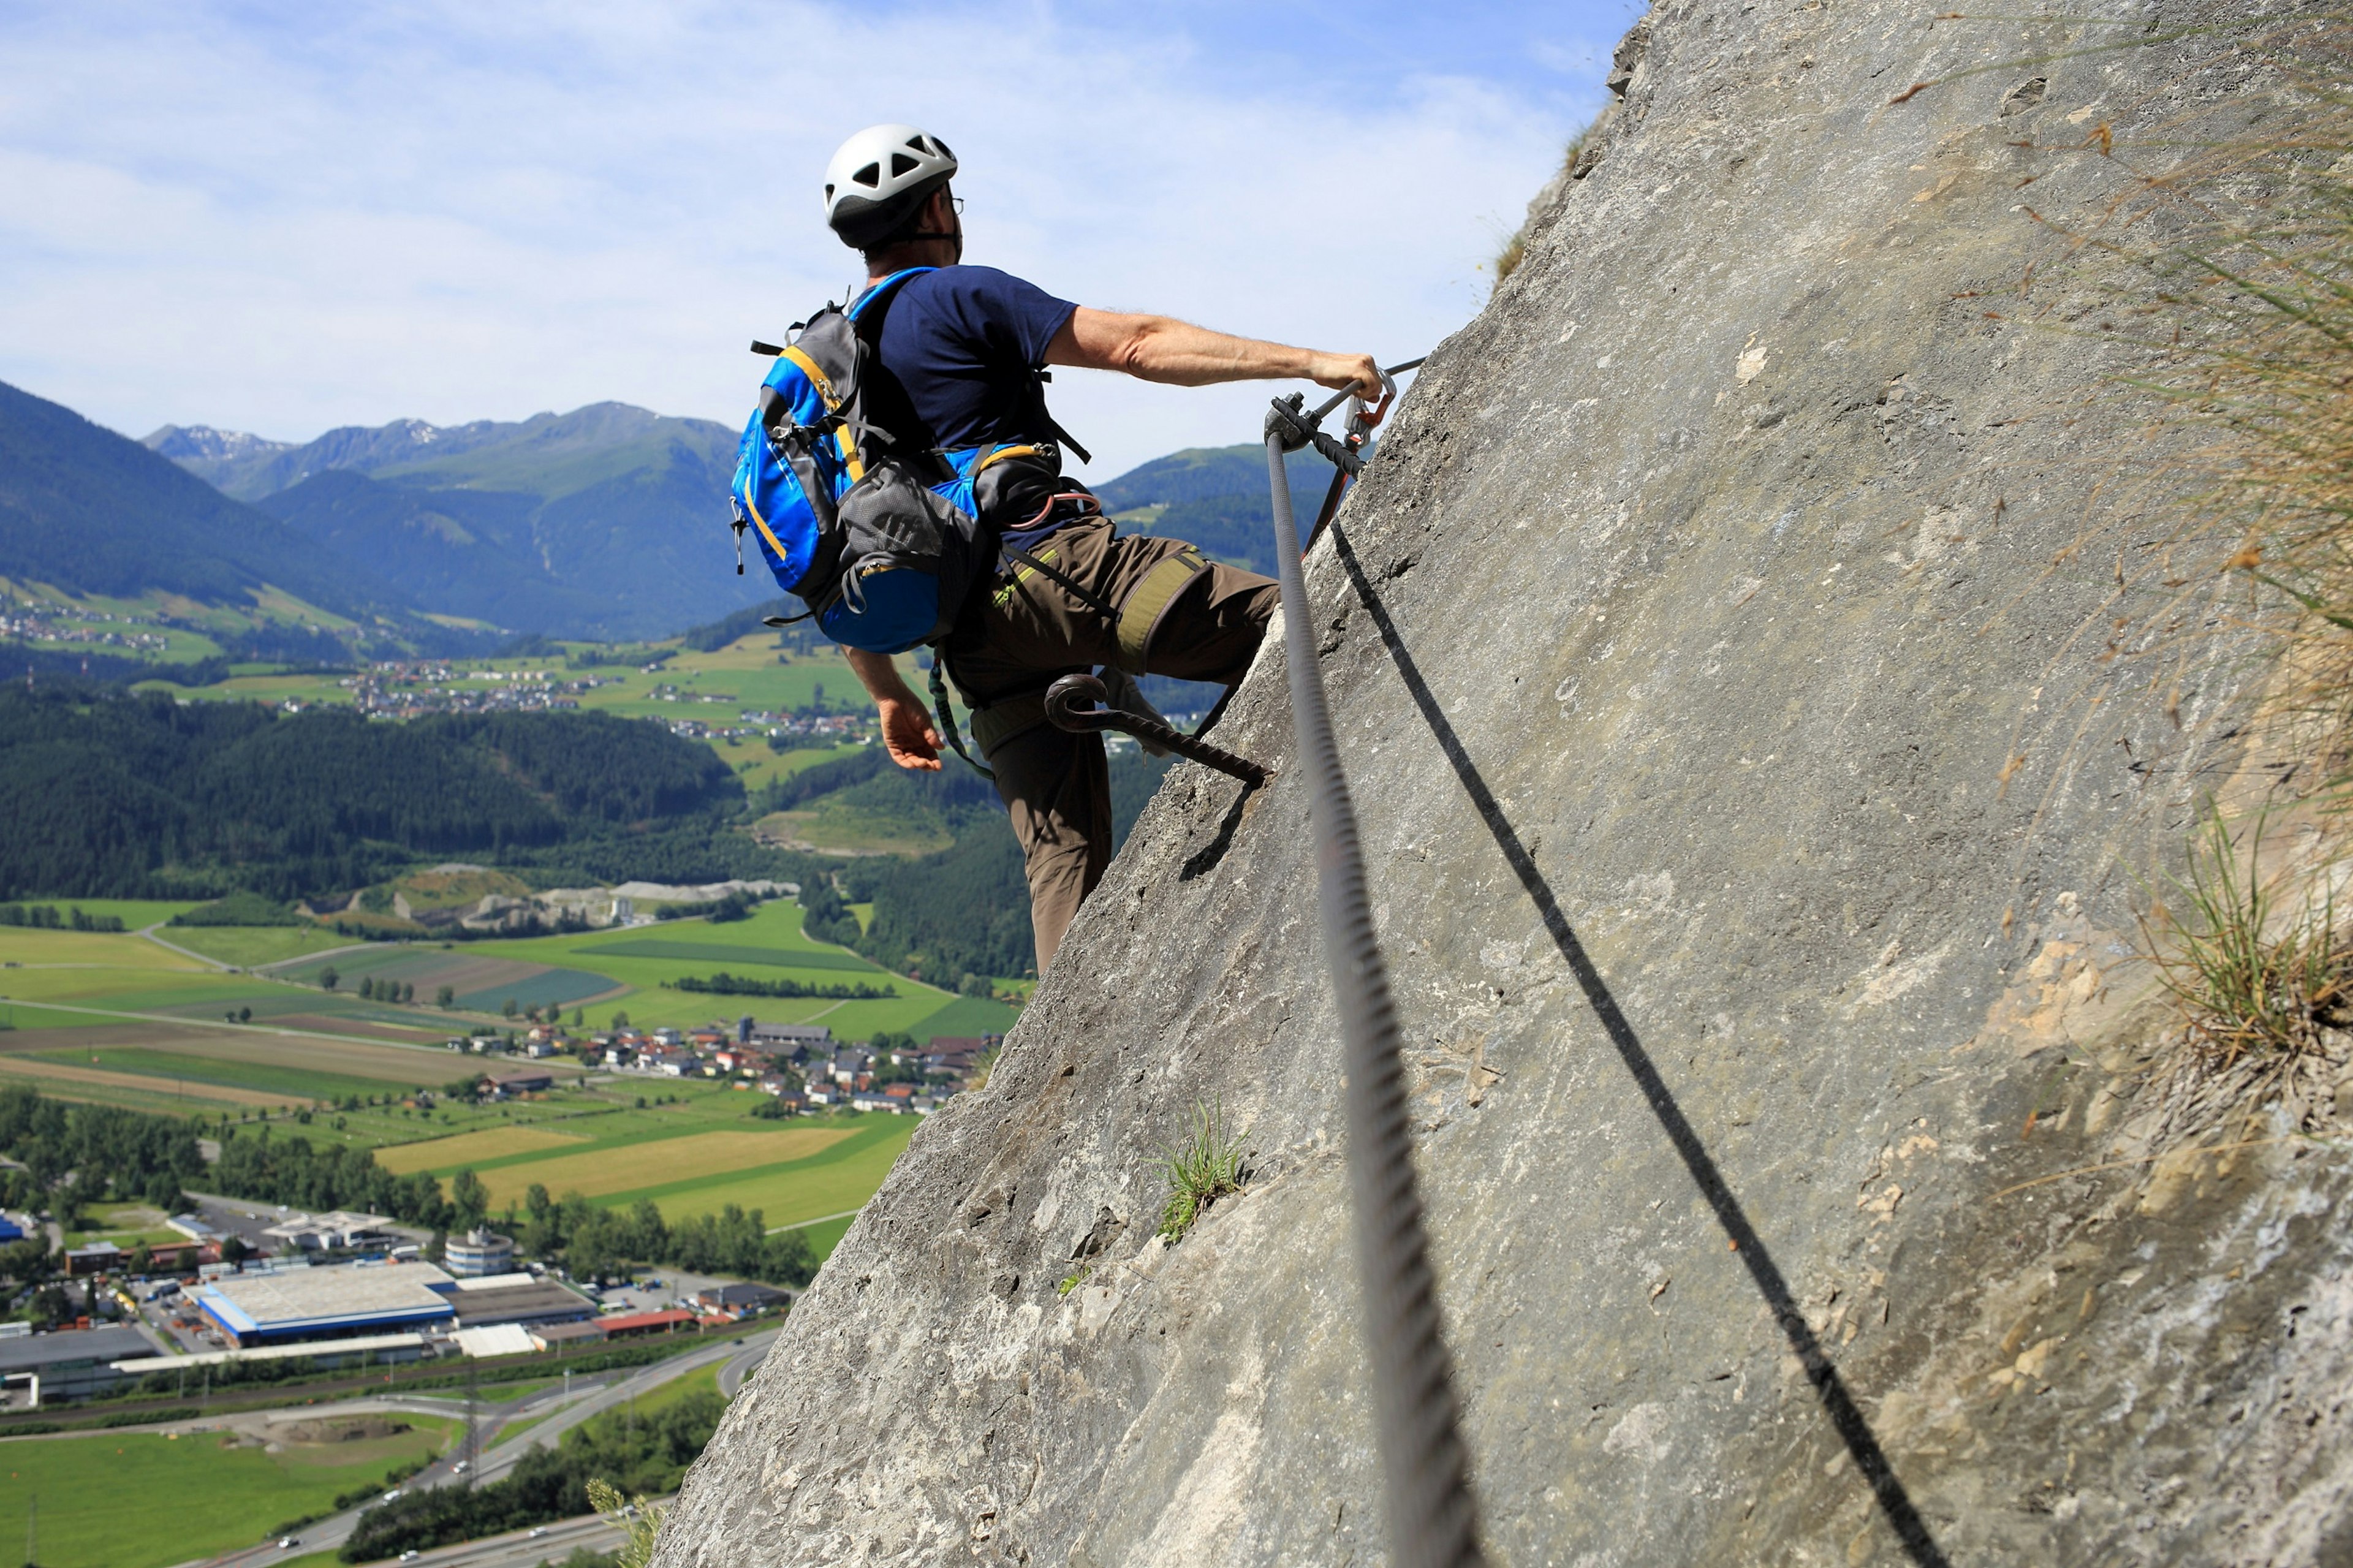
<point>968,346</point>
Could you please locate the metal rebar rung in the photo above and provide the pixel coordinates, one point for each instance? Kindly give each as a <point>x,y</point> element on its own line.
<point>1062,699</point>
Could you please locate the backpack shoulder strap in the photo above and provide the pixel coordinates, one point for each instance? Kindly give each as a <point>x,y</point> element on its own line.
<point>878,296</point>
<point>878,406</point>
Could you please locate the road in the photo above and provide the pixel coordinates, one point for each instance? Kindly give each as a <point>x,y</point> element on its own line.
<point>149,932</point>
<point>805,1224</point>
<point>521,1548</point>
<point>744,1362</point>
<point>588,1398</point>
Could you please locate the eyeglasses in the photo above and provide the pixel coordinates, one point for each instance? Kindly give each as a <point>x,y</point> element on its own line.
<point>956,205</point>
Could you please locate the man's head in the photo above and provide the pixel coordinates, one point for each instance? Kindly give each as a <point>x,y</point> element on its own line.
<point>886,189</point>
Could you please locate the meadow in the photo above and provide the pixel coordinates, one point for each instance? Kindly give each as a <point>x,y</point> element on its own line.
<point>694,1154</point>
<point>142,1501</point>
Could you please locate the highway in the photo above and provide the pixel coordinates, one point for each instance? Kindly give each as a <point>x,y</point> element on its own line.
<point>590,1396</point>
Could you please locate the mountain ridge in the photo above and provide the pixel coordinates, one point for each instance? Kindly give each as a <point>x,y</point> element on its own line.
<point>90,512</point>
<point>608,521</point>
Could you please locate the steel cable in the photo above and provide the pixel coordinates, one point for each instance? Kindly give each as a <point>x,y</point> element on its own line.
<point>1432,1514</point>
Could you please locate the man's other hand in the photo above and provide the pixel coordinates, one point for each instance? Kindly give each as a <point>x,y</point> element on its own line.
<point>908,735</point>
<point>1360,372</point>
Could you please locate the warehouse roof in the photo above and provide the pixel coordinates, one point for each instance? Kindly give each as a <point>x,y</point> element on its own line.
<point>532,1301</point>
<point>324,1300</point>
<point>33,1351</point>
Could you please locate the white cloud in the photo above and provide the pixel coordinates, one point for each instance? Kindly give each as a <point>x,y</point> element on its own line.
<point>287,221</point>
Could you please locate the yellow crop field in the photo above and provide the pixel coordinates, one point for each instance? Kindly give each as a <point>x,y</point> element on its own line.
<point>594,1174</point>
<point>470,1147</point>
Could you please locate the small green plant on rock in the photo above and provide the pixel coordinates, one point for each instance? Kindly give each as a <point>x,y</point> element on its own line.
<point>2254,979</point>
<point>1075,1279</point>
<point>1206,1167</point>
<point>636,1520</point>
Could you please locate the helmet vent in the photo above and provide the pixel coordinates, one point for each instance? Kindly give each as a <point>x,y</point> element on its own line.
<point>917,144</point>
<point>868,176</point>
<point>902,164</point>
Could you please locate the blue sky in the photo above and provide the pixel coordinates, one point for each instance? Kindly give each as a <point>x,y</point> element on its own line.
<point>282,219</point>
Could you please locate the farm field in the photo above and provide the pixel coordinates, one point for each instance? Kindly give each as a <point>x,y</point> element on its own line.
<point>143,1500</point>
<point>448,1155</point>
<point>769,943</point>
<point>639,1169</point>
<point>482,982</point>
<point>280,1083</point>
<point>715,687</point>
<point>692,1157</point>
<point>834,1180</point>
<point>152,1036</point>
<point>131,1091</point>
<point>250,947</point>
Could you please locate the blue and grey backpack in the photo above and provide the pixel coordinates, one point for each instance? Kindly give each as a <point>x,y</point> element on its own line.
<point>859,512</point>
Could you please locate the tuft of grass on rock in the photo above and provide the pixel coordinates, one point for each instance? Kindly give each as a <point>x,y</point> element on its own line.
<point>2256,975</point>
<point>1516,249</point>
<point>1206,1167</point>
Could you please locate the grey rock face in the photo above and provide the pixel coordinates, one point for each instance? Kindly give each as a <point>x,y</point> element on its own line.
<point>1753,827</point>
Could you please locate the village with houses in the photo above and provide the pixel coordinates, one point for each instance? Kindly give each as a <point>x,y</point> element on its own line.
<point>801,1067</point>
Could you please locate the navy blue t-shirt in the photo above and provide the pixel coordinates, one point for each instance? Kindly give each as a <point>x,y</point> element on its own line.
<point>963,342</point>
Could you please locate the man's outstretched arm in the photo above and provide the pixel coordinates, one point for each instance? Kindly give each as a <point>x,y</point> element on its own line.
<point>1161,348</point>
<point>907,732</point>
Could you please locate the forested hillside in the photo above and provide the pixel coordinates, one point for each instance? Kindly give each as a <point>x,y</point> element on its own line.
<point>84,510</point>
<point>113,794</point>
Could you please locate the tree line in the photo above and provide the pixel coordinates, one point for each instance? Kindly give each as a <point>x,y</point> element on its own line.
<point>599,1243</point>
<point>110,1154</point>
<point>726,984</point>
<point>45,917</point>
<point>638,1455</point>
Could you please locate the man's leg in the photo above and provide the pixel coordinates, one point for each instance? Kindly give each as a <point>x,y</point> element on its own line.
<point>1213,630</point>
<point>1056,788</point>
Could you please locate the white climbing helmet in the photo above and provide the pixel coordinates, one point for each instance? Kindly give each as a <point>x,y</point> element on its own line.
<point>878,177</point>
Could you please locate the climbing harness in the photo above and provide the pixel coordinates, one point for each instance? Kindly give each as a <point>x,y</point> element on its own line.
<point>1062,700</point>
<point>1433,1517</point>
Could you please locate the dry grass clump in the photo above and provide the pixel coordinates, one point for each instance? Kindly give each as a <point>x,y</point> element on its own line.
<point>2259,968</point>
<point>1516,249</point>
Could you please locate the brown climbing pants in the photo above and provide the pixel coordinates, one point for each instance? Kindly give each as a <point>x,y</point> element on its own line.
<point>1029,629</point>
